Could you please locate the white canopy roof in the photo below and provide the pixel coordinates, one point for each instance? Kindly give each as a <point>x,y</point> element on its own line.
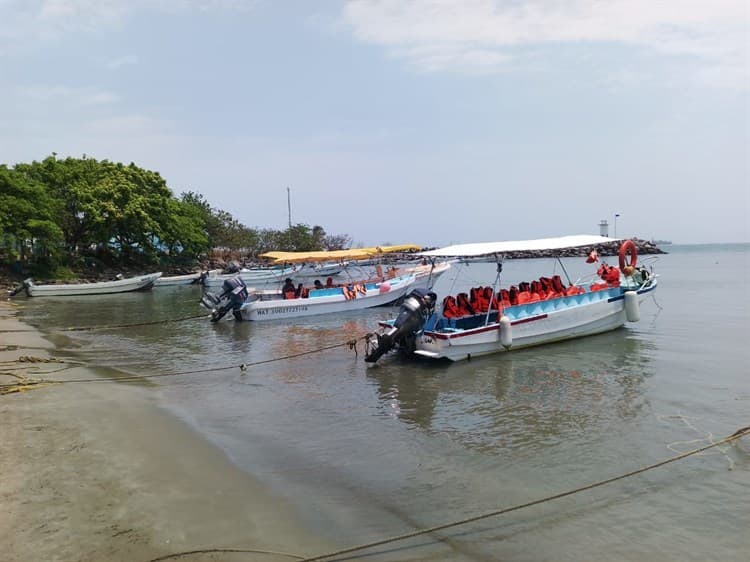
<point>486,248</point>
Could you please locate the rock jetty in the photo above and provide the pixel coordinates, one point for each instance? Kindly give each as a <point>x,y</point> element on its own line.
<point>606,249</point>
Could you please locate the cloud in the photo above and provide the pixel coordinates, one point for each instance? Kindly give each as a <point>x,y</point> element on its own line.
<point>65,95</point>
<point>26,22</point>
<point>125,60</point>
<point>487,34</point>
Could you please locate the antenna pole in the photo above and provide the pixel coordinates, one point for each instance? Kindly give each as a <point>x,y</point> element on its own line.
<point>289,205</point>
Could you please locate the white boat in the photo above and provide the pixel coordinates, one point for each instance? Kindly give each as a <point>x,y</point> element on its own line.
<point>254,277</point>
<point>141,283</point>
<point>551,312</point>
<point>259,305</point>
<point>187,279</point>
<point>271,305</point>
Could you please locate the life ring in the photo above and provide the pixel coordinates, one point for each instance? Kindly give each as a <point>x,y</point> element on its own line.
<point>628,248</point>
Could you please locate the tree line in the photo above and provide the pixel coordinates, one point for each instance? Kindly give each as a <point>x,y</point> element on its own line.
<point>78,212</point>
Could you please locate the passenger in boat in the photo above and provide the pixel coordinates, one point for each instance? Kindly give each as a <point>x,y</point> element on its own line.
<point>318,284</point>
<point>288,289</point>
<point>329,282</point>
<point>300,291</point>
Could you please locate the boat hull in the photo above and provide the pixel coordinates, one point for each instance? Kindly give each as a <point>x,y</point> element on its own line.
<point>141,283</point>
<point>326,301</point>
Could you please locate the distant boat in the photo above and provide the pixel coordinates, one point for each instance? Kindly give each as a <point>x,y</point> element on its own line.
<point>142,283</point>
<point>656,242</point>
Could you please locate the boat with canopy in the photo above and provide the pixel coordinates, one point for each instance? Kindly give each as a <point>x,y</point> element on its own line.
<point>495,319</point>
<point>296,300</point>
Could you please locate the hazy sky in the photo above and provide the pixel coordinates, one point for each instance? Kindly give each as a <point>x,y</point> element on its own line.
<point>417,121</point>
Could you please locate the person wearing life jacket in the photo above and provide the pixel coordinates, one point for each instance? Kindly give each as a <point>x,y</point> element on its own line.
<point>288,289</point>
<point>513,295</point>
<point>450,308</point>
<point>505,298</point>
<point>464,306</point>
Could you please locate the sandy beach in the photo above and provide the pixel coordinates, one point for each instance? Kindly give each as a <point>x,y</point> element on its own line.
<point>98,472</point>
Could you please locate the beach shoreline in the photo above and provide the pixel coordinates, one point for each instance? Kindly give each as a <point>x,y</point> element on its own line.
<point>99,472</point>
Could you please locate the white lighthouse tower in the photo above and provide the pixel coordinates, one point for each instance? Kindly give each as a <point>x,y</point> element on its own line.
<point>604,228</point>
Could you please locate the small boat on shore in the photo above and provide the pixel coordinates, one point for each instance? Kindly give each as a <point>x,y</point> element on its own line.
<point>493,319</point>
<point>140,283</point>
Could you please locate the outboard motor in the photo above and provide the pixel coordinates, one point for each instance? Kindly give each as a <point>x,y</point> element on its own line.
<point>233,295</point>
<point>416,308</point>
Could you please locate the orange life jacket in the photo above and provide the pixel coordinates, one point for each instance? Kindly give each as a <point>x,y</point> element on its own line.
<point>450,309</point>
<point>505,297</point>
<point>491,298</point>
<point>464,306</point>
<point>513,295</point>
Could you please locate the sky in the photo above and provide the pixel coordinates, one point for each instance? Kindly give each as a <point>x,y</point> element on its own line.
<point>402,121</point>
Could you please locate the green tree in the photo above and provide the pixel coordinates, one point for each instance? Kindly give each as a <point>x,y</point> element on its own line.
<point>26,218</point>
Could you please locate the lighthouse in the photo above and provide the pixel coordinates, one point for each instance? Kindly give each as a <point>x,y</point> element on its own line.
<point>604,228</point>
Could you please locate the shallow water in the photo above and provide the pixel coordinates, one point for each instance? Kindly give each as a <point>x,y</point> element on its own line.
<point>366,452</point>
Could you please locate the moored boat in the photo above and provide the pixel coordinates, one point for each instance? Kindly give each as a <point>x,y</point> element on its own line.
<point>493,319</point>
<point>259,305</point>
<point>140,283</point>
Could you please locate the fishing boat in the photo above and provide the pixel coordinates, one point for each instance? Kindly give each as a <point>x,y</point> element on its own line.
<point>259,305</point>
<point>494,319</point>
<point>140,283</point>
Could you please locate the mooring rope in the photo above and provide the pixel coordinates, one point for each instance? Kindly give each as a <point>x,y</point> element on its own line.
<point>742,432</point>
<point>243,367</point>
<point>736,435</point>
<point>109,326</point>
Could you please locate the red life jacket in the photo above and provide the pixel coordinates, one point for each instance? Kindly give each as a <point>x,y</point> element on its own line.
<point>464,306</point>
<point>480,302</point>
<point>491,298</point>
<point>450,310</point>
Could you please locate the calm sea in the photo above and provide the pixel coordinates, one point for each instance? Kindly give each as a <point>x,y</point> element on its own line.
<point>367,452</point>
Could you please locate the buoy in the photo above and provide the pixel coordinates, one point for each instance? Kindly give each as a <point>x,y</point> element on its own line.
<point>632,310</point>
<point>384,287</point>
<point>506,335</point>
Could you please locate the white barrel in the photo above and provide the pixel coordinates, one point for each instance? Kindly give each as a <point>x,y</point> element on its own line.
<point>506,335</point>
<point>632,310</point>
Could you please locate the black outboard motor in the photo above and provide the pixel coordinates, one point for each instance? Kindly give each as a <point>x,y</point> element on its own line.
<point>234,293</point>
<point>416,308</point>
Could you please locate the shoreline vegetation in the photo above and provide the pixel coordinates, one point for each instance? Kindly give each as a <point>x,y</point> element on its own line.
<point>11,279</point>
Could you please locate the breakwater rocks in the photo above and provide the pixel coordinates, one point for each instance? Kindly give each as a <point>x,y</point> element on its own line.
<point>607,249</point>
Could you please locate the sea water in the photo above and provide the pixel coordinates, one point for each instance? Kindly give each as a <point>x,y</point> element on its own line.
<point>365,452</point>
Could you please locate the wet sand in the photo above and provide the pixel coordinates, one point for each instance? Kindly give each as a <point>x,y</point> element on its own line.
<point>98,472</point>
